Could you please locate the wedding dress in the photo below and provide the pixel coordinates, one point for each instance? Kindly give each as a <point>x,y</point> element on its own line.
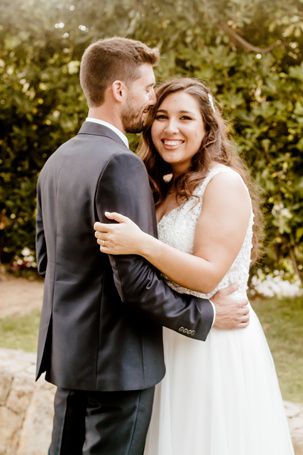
<point>221,396</point>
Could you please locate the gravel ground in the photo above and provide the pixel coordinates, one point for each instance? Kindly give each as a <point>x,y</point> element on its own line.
<point>19,295</point>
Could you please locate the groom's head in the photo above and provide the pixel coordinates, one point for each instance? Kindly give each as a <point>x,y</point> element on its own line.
<point>119,71</point>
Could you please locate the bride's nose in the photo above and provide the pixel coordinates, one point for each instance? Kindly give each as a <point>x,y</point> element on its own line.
<point>171,126</point>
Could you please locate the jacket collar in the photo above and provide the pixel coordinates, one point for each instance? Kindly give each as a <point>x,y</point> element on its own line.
<point>96,129</point>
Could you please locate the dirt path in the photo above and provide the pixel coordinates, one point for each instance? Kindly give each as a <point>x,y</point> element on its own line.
<point>19,295</point>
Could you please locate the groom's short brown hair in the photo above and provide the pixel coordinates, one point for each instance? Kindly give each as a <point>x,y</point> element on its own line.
<point>112,59</point>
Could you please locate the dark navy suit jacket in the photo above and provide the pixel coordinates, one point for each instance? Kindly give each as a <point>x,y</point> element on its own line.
<point>102,315</point>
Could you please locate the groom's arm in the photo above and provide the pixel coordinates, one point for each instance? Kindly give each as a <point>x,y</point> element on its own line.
<point>41,254</point>
<point>123,187</point>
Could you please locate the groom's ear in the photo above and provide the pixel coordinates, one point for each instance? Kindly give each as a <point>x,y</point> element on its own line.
<point>119,90</point>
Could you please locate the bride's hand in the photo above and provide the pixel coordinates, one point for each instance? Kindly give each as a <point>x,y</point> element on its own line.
<point>122,238</point>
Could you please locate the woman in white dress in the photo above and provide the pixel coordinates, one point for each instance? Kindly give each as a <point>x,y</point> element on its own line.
<point>220,397</point>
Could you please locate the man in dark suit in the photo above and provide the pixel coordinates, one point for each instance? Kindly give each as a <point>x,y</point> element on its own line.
<point>100,336</point>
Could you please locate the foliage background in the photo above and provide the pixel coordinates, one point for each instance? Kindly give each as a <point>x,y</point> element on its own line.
<point>248,51</point>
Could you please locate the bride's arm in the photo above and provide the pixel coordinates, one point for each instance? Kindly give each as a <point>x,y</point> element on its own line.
<point>220,232</point>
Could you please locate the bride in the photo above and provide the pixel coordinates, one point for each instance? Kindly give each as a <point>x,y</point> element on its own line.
<point>220,397</point>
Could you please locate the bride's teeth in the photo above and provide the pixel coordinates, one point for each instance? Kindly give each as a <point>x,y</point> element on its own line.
<point>172,142</point>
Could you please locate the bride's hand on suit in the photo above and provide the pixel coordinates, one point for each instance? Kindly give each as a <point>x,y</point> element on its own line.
<point>122,237</point>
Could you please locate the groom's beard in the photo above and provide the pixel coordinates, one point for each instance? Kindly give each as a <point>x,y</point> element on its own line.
<point>133,119</point>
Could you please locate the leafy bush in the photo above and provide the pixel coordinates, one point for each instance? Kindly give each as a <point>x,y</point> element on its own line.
<point>249,52</point>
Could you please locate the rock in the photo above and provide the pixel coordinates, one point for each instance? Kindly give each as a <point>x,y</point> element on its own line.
<point>25,406</point>
<point>5,385</point>
<point>38,421</point>
<point>21,393</point>
<point>294,412</point>
<point>10,426</point>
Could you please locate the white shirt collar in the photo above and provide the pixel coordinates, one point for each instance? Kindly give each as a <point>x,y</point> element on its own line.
<point>112,127</point>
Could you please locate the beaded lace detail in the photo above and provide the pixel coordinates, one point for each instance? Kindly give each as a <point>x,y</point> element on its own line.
<point>177,228</point>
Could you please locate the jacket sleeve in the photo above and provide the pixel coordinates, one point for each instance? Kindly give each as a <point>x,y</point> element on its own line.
<point>123,187</point>
<point>41,254</point>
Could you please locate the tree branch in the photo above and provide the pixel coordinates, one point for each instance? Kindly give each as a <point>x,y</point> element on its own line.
<point>234,36</point>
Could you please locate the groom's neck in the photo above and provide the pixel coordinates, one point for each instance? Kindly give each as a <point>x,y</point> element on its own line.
<point>106,114</point>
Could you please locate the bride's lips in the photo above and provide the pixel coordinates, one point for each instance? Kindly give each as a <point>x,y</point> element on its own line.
<point>172,144</point>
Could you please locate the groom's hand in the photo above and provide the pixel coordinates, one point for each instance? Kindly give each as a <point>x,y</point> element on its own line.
<point>232,311</point>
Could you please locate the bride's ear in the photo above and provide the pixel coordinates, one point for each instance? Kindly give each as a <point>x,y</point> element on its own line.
<point>119,91</point>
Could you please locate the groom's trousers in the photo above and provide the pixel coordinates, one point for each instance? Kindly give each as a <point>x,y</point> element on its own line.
<point>101,423</point>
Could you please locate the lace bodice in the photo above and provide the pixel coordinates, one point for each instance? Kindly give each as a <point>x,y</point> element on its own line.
<point>177,228</point>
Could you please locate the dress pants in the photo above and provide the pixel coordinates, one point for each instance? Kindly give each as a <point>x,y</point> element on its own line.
<point>101,423</point>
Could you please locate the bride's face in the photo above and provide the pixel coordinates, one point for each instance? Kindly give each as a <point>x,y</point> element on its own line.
<point>177,130</point>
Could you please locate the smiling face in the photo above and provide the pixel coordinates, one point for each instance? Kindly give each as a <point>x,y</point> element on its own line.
<point>178,130</point>
<point>140,96</point>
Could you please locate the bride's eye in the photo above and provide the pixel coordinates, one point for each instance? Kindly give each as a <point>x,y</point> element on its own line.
<point>160,117</point>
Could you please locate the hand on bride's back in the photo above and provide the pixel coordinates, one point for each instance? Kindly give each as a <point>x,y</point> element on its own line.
<point>121,237</point>
<point>232,311</point>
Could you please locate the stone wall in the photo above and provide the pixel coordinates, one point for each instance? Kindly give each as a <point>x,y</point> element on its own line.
<point>26,408</point>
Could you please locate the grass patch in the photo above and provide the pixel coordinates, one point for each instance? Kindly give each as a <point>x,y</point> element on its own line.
<point>20,332</point>
<point>282,321</point>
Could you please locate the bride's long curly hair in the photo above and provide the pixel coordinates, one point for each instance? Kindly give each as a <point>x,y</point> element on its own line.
<point>215,146</point>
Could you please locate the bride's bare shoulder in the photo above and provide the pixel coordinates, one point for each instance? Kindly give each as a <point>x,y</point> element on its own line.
<point>227,190</point>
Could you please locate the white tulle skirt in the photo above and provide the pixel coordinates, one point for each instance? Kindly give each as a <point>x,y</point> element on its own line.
<point>220,397</point>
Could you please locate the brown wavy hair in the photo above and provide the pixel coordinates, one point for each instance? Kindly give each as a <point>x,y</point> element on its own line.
<point>110,59</point>
<point>215,146</point>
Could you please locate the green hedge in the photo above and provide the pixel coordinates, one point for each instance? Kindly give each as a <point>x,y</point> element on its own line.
<point>249,52</point>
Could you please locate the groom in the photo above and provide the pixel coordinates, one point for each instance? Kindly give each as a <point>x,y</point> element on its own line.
<point>100,338</point>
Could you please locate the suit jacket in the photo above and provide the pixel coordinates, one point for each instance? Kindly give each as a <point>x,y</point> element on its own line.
<point>102,315</point>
